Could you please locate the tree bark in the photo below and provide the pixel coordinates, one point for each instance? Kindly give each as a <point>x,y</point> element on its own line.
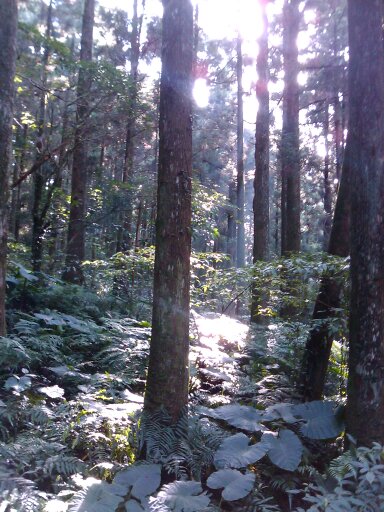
<point>167,381</point>
<point>125,238</point>
<point>327,197</point>
<point>8,29</point>
<point>290,157</point>
<point>319,343</point>
<point>39,180</point>
<point>240,234</point>
<point>261,181</point>
<point>76,228</point>
<point>365,404</point>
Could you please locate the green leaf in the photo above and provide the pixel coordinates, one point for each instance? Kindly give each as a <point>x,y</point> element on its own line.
<point>235,452</point>
<point>181,497</point>
<point>236,485</point>
<point>285,450</point>
<point>322,422</point>
<point>98,497</point>
<point>240,416</point>
<point>52,391</point>
<point>143,480</point>
<point>17,383</point>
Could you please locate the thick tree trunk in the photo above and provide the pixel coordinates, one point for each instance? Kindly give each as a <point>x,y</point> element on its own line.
<point>8,29</point>
<point>261,181</point>
<point>76,227</point>
<point>167,381</point>
<point>240,234</point>
<point>290,157</point>
<point>365,404</point>
<point>319,344</point>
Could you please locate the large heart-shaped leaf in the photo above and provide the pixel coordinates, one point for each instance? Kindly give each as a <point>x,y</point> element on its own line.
<point>235,452</point>
<point>285,449</point>
<point>240,416</point>
<point>322,422</point>
<point>143,479</point>
<point>282,410</point>
<point>181,497</point>
<point>98,497</point>
<point>19,384</point>
<point>235,485</point>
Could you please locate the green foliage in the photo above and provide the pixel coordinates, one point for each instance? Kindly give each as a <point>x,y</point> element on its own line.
<point>235,485</point>
<point>359,486</point>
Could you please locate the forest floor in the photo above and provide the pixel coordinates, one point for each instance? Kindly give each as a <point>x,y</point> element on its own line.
<point>70,416</point>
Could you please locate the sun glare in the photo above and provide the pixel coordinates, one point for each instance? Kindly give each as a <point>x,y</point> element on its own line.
<point>201,92</point>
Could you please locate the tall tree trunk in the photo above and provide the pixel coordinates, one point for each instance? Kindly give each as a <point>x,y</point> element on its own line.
<point>167,381</point>
<point>39,180</point>
<point>18,170</point>
<point>8,29</point>
<point>125,235</point>
<point>327,185</point>
<point>290,157</point>
<point>261,181</point>
<point>365,404</point>
<point>319,343</point>
<point>76,227</point>
<point>231,220</point>
<point>240,234</point>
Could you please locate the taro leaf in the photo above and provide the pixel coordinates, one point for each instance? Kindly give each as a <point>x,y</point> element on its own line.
<point>25,273</point>
<point>135,506</point>
<point>322,422</point>
<point>285,450</point>
<point>98,497</point>
<point>52,391</point>
<point>277,411</point>
<point>235,452</point>
<point>19,384</point>
<point>236,485</point>
<point>143,479</point>
<point>240,416</point>
<point>181,497</point>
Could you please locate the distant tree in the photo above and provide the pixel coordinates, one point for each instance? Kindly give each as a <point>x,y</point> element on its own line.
<point>290,157</point>
<point>240,229</point>
<point>365,404</point>
<point>76,227</point>
<point>261,181</point>
<point>167,381</point>
<point>8,29</point>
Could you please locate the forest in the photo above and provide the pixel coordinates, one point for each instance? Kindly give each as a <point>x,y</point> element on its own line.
<point>191,256</point>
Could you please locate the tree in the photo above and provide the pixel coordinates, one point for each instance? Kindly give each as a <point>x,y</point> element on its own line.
<point>167,381</point>
<point>261,181</point>
<point>240,234</point>
<point>319,342</point>
<point>76,227</point>
<point>290,158</point>
<point>365,405</point>
<point>8,29</point>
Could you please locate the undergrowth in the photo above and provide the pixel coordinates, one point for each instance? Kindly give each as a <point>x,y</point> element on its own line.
<point>72,376</point>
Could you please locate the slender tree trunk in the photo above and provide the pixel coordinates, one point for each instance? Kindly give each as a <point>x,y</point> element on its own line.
<point>167,381</point>
<point>8,29</point>
<point>38,177</point>
<point>365,404</point>
<point>125,238</point>
<point>319,343</point>
<point>231,219</point>
<point>240,234</point>
<point>327,185</point>
<point>261,181</point>
<point>76,227</point>
<point>290,157</point>
<point>18,170</point>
